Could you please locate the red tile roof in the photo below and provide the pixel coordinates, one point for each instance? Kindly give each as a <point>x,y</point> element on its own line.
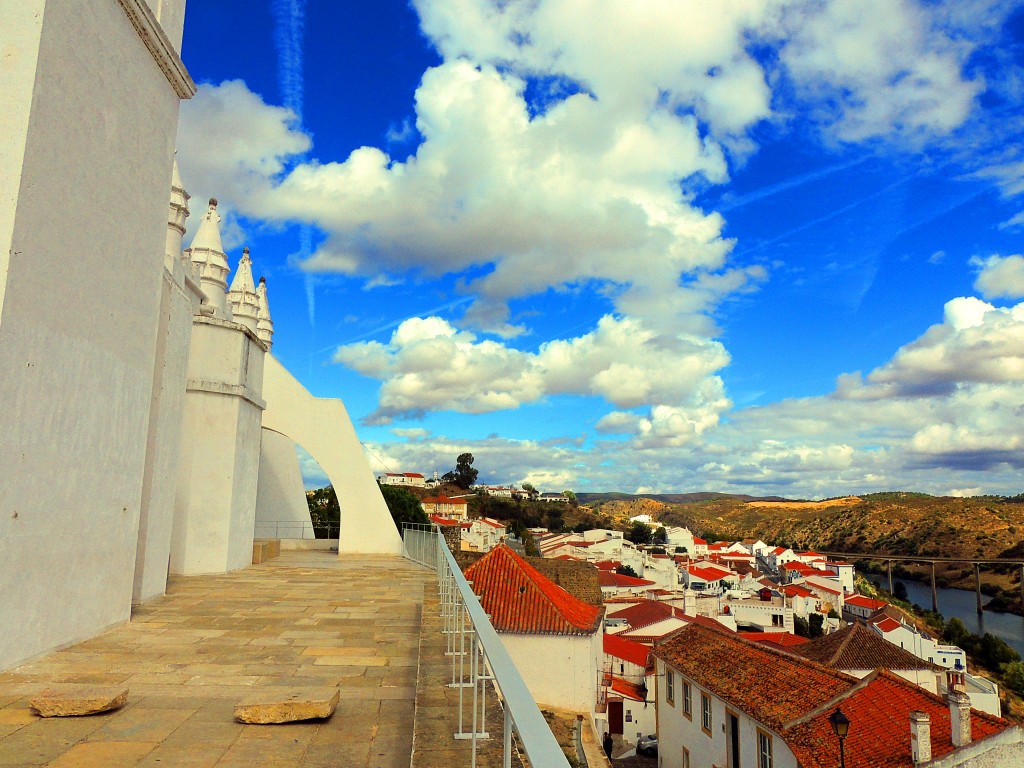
<point>699,540</point>
<point>865,602</point>
<point>627,650</point>
<point>612,579</point>
<point>646,612</point>
<point>709,573</point>
<point>879,714</point>
<point>795,590</point>
<point>857,647</point>
<point>775,639</point>
<point>520,599</point>
<point>628,689</point>
<point>771,686</point>
<point>444,500</point>
<point>607,565</point>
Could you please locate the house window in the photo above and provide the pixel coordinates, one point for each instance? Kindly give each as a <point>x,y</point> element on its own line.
<point>705,713</point>
<point>764,750</point>
<point>686,758</point>
<point>670,686</point>
<point>687,701</point>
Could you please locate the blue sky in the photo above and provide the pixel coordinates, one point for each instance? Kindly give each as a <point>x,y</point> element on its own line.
<point>763,247</point>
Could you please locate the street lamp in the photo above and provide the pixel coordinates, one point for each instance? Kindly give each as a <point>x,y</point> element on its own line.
<point>840,727</point>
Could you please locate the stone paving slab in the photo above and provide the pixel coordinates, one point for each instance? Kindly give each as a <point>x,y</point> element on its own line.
<point>304,619</point>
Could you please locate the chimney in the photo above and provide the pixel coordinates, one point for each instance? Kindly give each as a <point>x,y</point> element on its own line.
<point>959,717</point>
<point>920,737</point>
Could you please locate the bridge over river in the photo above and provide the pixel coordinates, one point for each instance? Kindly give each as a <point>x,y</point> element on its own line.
<point>933,561</point>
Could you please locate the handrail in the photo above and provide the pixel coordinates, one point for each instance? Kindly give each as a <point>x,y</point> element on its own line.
<point>521,710</point>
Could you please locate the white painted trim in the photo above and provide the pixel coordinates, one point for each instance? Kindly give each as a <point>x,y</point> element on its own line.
<point>159,47</point>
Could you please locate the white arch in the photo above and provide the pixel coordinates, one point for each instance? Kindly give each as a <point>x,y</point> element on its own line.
<point>322,426</point>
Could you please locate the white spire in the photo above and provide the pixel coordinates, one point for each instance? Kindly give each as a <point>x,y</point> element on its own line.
<point>245,305</point>
<point>176,215</point>
<point>208,257</point>
<point>264,325</point>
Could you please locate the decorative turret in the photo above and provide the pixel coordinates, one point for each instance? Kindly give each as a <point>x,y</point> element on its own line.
<point>264,325</point>
<point>245,305</point>
<point>208,257</point>
<point>176,216</point>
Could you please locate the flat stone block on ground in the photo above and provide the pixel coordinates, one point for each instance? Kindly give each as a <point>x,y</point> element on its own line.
<point>288,706</point>
<point>77,700</point>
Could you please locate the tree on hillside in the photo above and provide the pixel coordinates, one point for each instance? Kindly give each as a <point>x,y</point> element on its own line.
<point>463,475</point>
<point>660,536</point>
<point>404,507</point>
<point>531,492</point>
<point>639,533</point>
<point>626,570</point>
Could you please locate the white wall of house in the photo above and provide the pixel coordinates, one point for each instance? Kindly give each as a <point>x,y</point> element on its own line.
<point>676,730</point>
<point>86,115</point>
<point>638,718</point>
<point>560,670</point>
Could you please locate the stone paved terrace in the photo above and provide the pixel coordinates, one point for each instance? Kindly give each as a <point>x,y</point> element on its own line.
<point>304,619</point>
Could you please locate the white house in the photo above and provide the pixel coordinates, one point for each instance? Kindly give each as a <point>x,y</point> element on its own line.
<point>705,577</point>
<point>724,701</point>
<point>629,687</point>
<point>554,638</point>
<point>843,571</point>
<point>413,479</point>
<point>483,534</point>
<point>862,607</point>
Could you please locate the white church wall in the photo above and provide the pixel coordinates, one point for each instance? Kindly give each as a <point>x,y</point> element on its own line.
<point>281,508</point>
<point>215,506</point>
<point>322,426</point>
<point>163,443</point>
<point>79,315</point>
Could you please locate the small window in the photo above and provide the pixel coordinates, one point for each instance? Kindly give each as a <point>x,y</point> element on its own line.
<point>687,700</point>
<point>670,686</point>
<point>686,758</point>
<point>705,713</point>
<point>764,750</point>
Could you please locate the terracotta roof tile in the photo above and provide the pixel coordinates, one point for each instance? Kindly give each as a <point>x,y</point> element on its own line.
<point>628,689</point>
<point>771,686</point>
<point>626,649</point>
<point>612,579</point>
<point>879,713</point>
<point>857,647</point>
<point>520,599</point>
<point>646,612</point>
<point>576,577</point>
<point>865,602</point>
<point>775,639</point>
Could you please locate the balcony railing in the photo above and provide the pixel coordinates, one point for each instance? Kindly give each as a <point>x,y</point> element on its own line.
<point>480,660</point>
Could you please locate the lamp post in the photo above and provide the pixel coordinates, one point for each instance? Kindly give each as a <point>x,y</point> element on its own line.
<point>841,727</point>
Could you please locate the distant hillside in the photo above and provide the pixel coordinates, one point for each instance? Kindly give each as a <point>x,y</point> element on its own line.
<point>669,498</point>
<point>897,523</point>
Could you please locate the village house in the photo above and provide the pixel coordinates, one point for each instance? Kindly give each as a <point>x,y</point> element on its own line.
<point>705,577</point>
<point>444,506</point>
<point>554,637</point>
<point>483,534</point>
<point>628,692</point>
<point>617,585</point>
<point>407,479</point>
<point>861,607</point>
<point>724,701</point>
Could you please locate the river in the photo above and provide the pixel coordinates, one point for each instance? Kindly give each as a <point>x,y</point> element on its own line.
<point>962,604</point>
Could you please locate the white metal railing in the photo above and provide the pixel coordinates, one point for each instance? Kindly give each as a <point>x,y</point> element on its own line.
<point>479,659</point>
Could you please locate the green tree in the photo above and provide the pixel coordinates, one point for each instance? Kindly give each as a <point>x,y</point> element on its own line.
<point>1013,677</point>
<point>463,475</point>
<point>814,625</point>
<point>324,512</point>
<point>801,627</point>
<point>403,505</point>
<point>639,533</point>
<point>660,536</point>
<point>993,652</point>
<point>531,492</point>
<point>626,570</point>
<point>569,495</point>
<point>955,632</point>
